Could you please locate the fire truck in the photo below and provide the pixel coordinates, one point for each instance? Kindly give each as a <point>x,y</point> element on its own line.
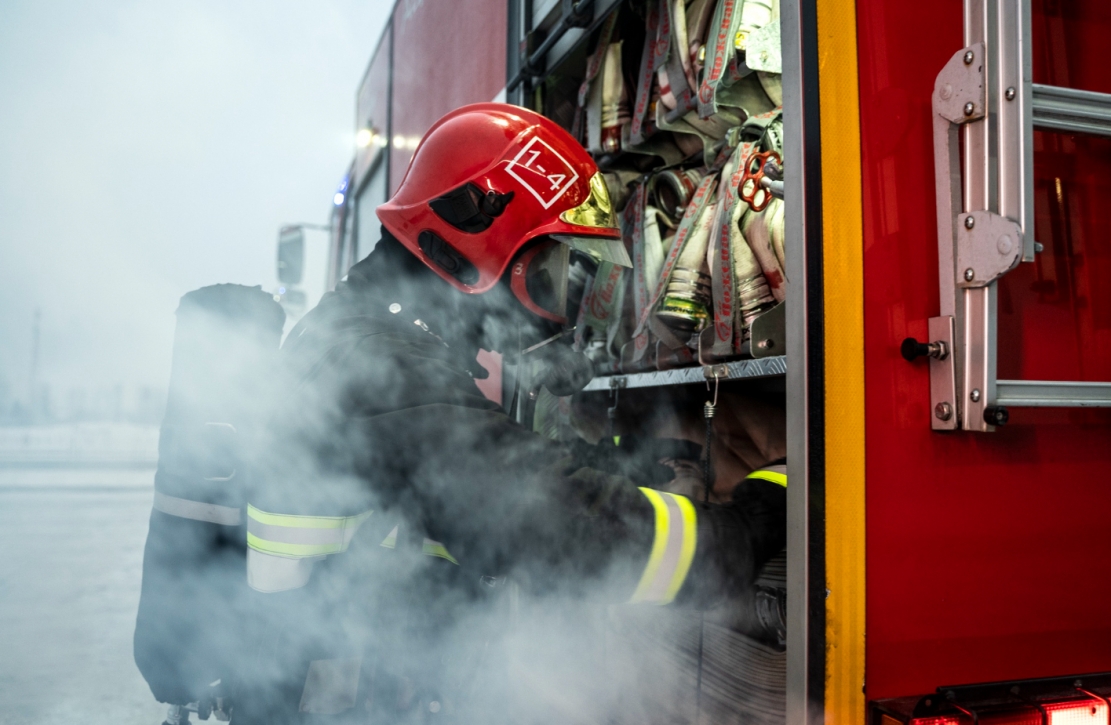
<point>939,358</point>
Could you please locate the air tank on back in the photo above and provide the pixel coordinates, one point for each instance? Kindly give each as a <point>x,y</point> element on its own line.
<point>186,633</point>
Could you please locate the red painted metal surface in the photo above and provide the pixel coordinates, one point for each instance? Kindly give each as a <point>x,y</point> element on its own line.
<point>446,54</point>
<point>1067,291</point>
<point>372,107</point>
<point>1071,44</point>
<point>987,553</point>
<point>1058,309</point>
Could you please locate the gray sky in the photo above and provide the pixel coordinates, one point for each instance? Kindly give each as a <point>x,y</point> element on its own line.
<point>147,149</point>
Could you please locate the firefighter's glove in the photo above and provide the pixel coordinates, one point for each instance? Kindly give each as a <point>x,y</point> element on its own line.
<point>630,458</point>
<point>561,369</point>
<point>736,541</point>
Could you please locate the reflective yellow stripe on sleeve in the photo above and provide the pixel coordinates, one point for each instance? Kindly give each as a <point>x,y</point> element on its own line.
<point>772,474</point>
<point>300,536</point>
<point>673,548</point>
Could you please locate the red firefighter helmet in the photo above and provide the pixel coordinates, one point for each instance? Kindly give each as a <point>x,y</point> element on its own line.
<point>486,180</point>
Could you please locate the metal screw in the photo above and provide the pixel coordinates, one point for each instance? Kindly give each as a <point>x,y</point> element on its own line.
<point>969,56</point>
<point>975,395</point>
<point>969,222</point>
<point>1039,247</point>
<point>943,411</point>
<point>969,274</point>
<point>765,344</point>
<point>1009,94</point>
<point>1004,245</point>
<point>395,308</point>
<point>969,108</point>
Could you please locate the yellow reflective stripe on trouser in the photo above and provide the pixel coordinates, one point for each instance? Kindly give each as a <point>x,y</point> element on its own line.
<point>772,474</point>
<point>435,548</point>
<point>672,548</point>
<point>300,536</point>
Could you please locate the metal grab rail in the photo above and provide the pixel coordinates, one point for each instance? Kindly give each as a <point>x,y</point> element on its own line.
<point>1052,394</point>
<point>1071,110</point>
<point>576,14</point>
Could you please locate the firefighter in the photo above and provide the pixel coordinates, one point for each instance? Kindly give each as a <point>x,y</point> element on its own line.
<point>389,485</point>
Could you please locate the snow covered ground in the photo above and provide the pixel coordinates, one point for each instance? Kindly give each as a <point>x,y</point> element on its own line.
<point>74,504</point>
<point>118,445</point>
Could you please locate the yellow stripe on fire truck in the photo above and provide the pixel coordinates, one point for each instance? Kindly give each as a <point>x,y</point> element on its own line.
<point>672,548</point>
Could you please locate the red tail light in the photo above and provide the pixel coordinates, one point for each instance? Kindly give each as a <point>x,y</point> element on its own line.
<point>1057,701</point>
<point>1084,712</point>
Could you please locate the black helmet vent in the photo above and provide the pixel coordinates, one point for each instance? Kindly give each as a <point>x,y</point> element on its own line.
<point>447,257</point>
<point>470,210</point>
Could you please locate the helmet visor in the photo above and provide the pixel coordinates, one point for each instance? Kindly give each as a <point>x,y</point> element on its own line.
<point>540,280</point>
<point>597,210</point>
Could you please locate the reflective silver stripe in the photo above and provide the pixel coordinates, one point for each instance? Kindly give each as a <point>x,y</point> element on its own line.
<point>294,535</point>
<point>658,588</point>
<point>670,561</point>
<point>331,686</point>
<point>673,548</point>
<point>269,573</point>
<point>196,510</point>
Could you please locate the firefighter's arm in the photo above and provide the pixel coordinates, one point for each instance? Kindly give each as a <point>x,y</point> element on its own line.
<point>503,498</point>
<point>684,551</point>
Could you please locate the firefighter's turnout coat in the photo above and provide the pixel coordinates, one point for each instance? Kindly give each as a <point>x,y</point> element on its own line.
<point>392,500</point>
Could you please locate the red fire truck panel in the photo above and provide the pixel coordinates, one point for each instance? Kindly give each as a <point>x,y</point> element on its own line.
<point>986,553</point>
<point>446,54</point>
